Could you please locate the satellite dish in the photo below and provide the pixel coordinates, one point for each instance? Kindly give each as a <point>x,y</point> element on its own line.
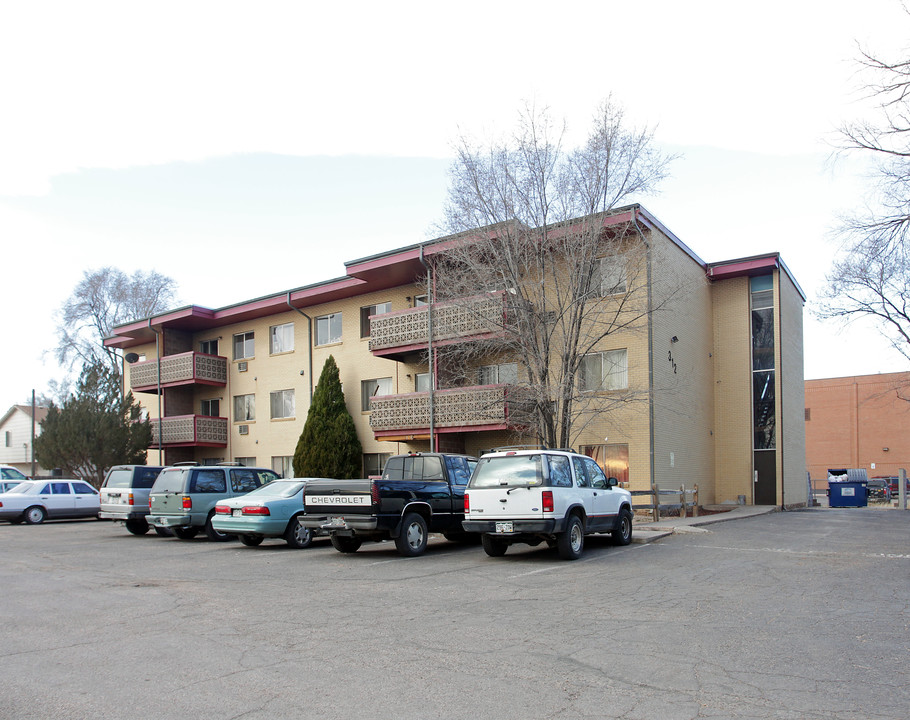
<point>131,358</point>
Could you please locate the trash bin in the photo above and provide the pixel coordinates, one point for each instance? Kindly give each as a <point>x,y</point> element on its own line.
<point>844,493</point>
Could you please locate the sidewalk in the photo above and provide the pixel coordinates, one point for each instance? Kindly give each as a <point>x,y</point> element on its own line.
<point>649,531</point>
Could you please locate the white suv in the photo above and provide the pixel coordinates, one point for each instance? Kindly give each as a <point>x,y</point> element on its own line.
<point>552,496</point>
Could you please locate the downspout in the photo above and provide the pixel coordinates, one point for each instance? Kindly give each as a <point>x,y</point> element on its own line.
<point>650,353</point>
<point>430,356</point>
<point>309,321</point>
<point>160,418</point>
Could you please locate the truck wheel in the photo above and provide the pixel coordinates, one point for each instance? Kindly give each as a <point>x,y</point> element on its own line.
<point>345,544</point>
<point>622,532</point>
<point>493,547</point>
<point>412,540</point>
<point>571,543</point>
<point>137,527</point>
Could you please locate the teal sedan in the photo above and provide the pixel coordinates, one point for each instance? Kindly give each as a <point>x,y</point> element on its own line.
<point>270,511</point>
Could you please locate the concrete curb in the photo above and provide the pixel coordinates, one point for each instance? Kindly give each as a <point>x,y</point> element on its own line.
<point>650,531</point>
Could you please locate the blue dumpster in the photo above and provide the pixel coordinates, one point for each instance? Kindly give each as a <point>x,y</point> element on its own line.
<point>844,493</point>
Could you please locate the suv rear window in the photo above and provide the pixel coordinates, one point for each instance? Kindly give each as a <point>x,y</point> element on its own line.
<point>171,480</point>
<point>140,477</point>
<point>508,470</point>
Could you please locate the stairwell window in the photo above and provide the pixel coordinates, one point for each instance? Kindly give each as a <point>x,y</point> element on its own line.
<point>328,329</point>
<point>610,276</point>
<point>281,403</point>
<point>210,408</point>
<point>604,371</point>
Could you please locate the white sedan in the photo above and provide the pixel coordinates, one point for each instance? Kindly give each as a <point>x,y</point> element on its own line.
<point>35,501</point>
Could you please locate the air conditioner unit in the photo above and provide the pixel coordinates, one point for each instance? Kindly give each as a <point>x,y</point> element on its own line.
<point>243,429</point>
<point>242,367</point>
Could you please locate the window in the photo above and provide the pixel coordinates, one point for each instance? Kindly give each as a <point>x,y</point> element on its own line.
<point>367,312</point>
<point>61,488</point>
<point>373,463</point>
<point>505,373</point>
<point>281,404</point>
<point>244,408</point>
<point>244,346</point>
<point>604,371</point>
<point>373,388</point>
<point>245,461</point>
<point>421,300</point>
<point>244,481</point>
<point>612,459</point>
<point>422,382</point>
<point>610,276</point>
<point>81,488</point>
<point>281,338</point>
<point>328,329</point>
<point>283,465</point>
<point>581,478</point>
<point>209,481</point>
<point>210,408</point>
<point>208,347</point>
<point>459,471</point>
<point>560,474</point>
<point>9,439</point>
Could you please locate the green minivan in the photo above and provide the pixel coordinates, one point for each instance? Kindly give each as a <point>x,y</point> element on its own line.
<point>183,497</point>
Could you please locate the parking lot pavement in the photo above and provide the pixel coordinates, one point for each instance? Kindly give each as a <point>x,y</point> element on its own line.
<point>783,615</point>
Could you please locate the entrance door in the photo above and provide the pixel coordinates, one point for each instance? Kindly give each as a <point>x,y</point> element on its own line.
<point>765,464</point>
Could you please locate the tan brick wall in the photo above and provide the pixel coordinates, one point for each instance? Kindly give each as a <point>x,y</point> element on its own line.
<point>791,456</point>
<point>852,419</point>
<point>732,389</point>
<point>683,372</point>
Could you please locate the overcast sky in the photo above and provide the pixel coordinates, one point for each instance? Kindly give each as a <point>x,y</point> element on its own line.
<point>245,149</point>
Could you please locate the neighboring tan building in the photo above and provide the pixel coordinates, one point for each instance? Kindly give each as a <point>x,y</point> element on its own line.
<point>858,422</point>
<point>720,365</point>
<point>16,430</point>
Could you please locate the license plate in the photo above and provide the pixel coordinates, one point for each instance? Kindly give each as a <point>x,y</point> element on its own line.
<point>236,512</point>
<point>337,521</point>
<point>503,527</point>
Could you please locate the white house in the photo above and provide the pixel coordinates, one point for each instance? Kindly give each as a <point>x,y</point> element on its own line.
<point>16,437</point>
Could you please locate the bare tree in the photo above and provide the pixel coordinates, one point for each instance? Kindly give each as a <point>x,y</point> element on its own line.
<point>870,274</point>
<point>103,299</point>
<point>532,220</point>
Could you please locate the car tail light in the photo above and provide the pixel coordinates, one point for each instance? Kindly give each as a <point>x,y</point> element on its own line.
<point>187,503</point>
<point>256,510</point>
<point>548,501</point>
<point>150,502</point>
<point>467,504</point>
<point>222,510</point>
<point>374,492</point>
<point>131,499</point>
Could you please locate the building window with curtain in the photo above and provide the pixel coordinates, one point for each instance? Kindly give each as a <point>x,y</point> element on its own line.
<point>281,404</point>
<point>604,371</point>
<point>244,408</point>
<point>281,338</point>
<point>244,346</point>
<point>373,388</point>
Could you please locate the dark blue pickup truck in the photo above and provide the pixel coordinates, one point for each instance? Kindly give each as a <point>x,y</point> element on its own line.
<point>418,494</point>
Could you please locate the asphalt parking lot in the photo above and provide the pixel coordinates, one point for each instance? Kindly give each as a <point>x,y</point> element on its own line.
<point>788,615</point>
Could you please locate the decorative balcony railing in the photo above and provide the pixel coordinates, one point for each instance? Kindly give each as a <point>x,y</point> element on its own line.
<point>190,430</point>
<point>189,368</point>
<point>488,407</point>
<point>481,316</point>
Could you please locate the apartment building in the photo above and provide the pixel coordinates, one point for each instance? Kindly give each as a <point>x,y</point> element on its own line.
<point>715,371</point>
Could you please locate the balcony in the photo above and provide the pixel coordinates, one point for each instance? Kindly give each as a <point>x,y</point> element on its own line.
<point>190,431</point>
<point>189,368</point>
<point>397,334</point>
<point>467,409</point>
